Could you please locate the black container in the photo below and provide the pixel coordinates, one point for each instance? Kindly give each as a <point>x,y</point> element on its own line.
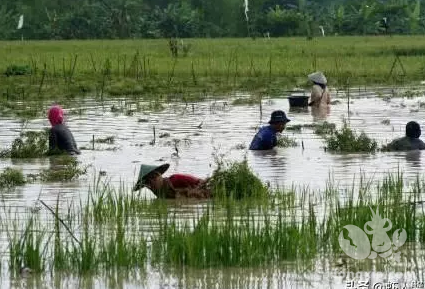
<point>298,101</point>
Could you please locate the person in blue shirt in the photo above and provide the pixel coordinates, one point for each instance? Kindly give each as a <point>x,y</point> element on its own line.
<point>266,139</point>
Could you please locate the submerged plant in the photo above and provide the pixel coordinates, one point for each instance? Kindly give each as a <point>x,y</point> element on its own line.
<point>346,140</point>
<point>66,168</point>
<point>325,128</point>
<point>11,178</point>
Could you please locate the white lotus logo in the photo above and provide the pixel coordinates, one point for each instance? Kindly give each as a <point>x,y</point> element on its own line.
<point>357,245</point>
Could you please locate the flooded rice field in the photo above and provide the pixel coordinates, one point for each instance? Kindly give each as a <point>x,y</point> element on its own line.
<point>192,137</point>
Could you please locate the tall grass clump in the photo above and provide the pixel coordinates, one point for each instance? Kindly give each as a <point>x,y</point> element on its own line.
<point>248,240</point>
<point>11,178</point>
<point>27,246</point>
<point>30,144</point>
<point>346,140</point>
<point>236,180</point>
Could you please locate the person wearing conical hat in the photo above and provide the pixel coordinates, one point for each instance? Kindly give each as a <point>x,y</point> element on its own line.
<point>320,93</point>
<point>172,187</point>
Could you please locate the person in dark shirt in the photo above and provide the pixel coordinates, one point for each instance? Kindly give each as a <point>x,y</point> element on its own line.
<point>266,139</point>
<point>409,142</point>
<point>60,138</point>
<point>172,187</point>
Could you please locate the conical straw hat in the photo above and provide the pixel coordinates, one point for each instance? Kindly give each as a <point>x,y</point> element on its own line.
<point>318,77</point>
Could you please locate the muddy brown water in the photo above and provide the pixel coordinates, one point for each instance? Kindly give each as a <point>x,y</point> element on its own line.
<point>204,131</point>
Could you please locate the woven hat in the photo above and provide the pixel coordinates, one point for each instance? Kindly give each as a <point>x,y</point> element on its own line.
<point>145,171</point>
<point>318,77</point>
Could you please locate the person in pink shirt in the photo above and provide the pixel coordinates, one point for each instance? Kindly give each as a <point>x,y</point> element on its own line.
<point>174,186</point>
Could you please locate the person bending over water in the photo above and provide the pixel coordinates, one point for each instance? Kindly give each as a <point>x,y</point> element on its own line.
<point>172,187</point>
<point>60,138</point>
<point>266,139</point>
<point>320,96</point>
<point>409,142</point>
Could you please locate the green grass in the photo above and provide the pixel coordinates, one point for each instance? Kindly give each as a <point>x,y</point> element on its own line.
<point>64,70</point>
<point>103,234</point>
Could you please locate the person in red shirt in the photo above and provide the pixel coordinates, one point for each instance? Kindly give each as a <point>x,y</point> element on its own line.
<point>174,186</point>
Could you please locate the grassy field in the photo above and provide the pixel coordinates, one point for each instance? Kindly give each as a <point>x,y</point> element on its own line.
<point>58,69</point>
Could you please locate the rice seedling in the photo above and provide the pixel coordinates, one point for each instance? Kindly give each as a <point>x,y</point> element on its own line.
<point>10,178</point>
<point>346,140</point>
<point>106,140</point>
<point>295,128</point>
<point>286,142</point>
<point>246,100</point>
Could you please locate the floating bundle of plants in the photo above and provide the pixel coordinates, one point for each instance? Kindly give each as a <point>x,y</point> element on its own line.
<point>236,180</point>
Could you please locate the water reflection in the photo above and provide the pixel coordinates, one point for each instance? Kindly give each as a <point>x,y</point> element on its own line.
<point>413,158</point>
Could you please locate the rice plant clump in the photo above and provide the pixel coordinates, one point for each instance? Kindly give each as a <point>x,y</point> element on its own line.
<point>30,144</point>
<point>346,140</point>
<point>237,181</point>
<point>286,142</point>
<point>11,178</point>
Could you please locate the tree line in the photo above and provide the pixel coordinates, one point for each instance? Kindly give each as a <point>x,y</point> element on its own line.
<point>118,19</point>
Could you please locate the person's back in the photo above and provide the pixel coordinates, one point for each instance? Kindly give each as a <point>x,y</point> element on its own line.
<point>61,139</point>
<point>320,96</point>
<point>265,139</point>
<point>409,142</point>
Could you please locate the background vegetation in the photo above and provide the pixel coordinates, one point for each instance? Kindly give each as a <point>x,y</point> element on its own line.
<point>111,19</point>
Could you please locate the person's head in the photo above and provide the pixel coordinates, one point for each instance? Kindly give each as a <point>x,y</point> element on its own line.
<point>278,120</point>
<point>413,129</point>
<point>154,181</point>
<point>55,115</point>
<point>151,177</point>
